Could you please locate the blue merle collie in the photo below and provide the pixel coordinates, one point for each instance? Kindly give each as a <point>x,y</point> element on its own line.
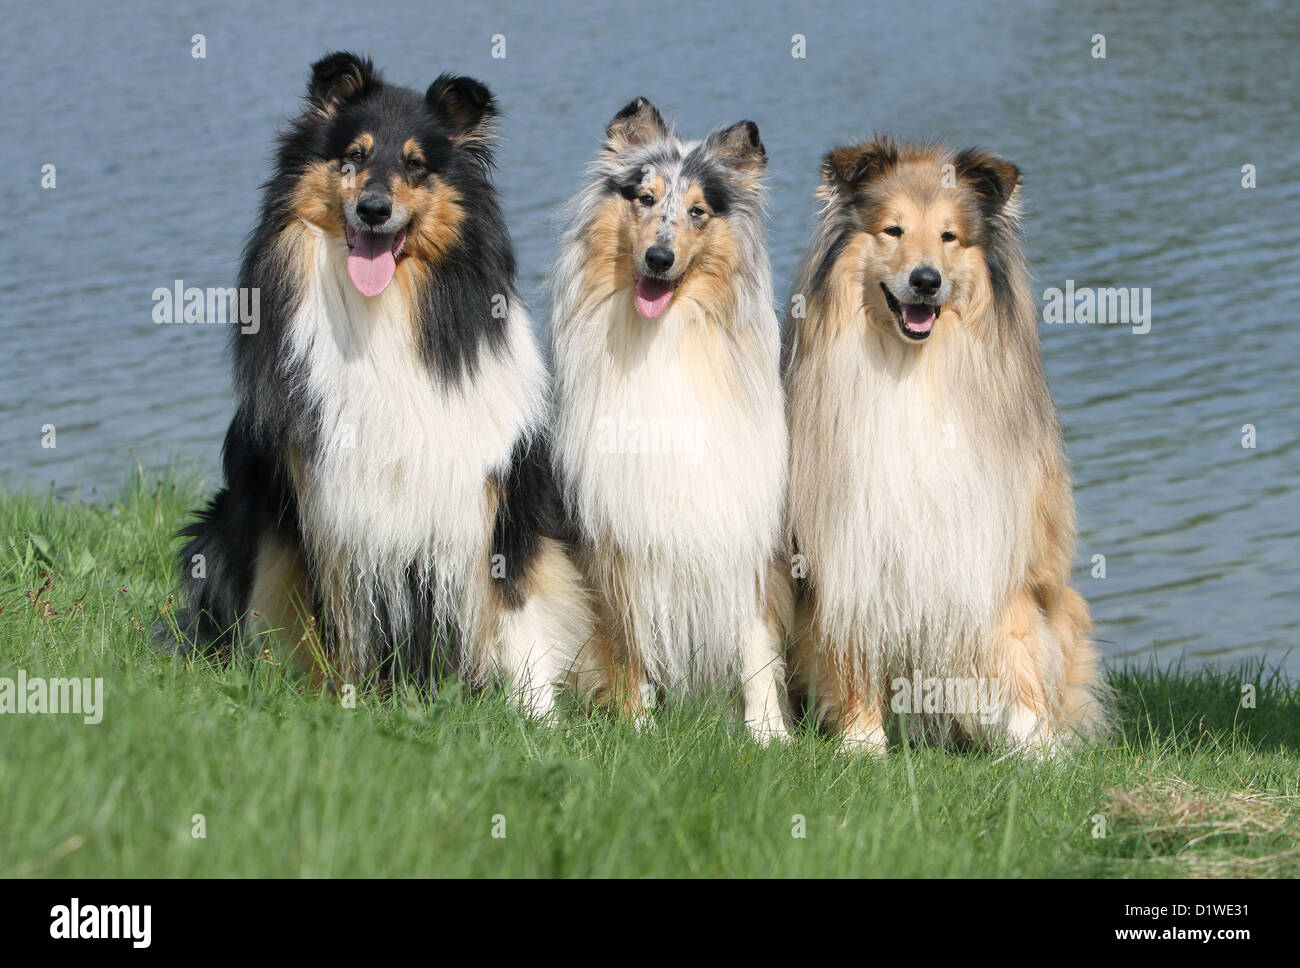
<point>670,439</point>
<point>388,509</point>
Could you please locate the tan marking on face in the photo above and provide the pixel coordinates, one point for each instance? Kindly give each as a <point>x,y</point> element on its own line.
<point>921,243</point>
<point>704,249</point>
<point>913,197</point>
<point>621,231</point>
<point>712,255</point>
<point>657,187</point>
<point>642,222</point>
<point>707,244</point>
<point>318,196</point>
<point>608,249</point>
<point>437,213</point>
<point>411,150</point>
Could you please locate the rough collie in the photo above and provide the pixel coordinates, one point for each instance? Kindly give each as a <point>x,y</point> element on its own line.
<point>930,508</point>
<point>670,438</point>
<point>388,507</point>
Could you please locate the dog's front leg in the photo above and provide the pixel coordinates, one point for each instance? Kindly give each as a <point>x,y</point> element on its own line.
<point>762,695</point>
<point>1028,664</point>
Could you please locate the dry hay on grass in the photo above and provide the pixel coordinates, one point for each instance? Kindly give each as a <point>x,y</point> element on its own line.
<point>1209,833</point>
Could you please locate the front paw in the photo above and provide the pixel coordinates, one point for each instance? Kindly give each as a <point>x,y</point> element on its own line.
<point>765,733</point>
<point>872,742</point>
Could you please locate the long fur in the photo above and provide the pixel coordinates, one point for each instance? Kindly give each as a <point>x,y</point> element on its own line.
<point>676,538</point>
<point>389,454</point>
<point>930,504</point>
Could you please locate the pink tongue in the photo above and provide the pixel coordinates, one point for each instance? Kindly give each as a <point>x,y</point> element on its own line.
<point>652,296</point>
<point>371,262</point>
<point>918,316</point>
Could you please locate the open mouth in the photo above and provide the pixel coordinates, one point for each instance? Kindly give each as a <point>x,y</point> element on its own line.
<point>372,258</point>
<point>653,294</point>
<point>916,320</point>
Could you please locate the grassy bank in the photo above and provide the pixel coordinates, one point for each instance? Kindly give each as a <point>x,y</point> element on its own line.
<point>289,784</point>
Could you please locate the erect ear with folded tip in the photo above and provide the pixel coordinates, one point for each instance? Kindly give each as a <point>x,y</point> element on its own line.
<point>850,168</point>
<point>338,78</point>
<point>468,108</point>
<point>993,179</point>
<point>638,123</point>
<point>740,147</point>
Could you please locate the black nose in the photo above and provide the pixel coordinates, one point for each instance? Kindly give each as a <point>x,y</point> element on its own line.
<point>925,280</point>
<point>659,258</point>
<point>374,209</point>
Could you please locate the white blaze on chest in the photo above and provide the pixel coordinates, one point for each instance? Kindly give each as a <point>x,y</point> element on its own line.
<point>912,519</point>
<point>677,474</point>
<point>662,449</point>
<point>400,472</point>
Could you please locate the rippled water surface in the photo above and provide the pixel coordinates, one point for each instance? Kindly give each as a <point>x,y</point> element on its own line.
<point>1134,178</point>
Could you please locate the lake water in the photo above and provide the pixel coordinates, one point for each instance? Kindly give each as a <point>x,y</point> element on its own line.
<point>1134,178</point>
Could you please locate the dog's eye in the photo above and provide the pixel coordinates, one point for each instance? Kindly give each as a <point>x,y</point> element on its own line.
<point>646,199</point>
<point>894,230</point>
<point>697,212</point>
<point>414,164</point>
<point>356,154</point>
<point>948,237</point>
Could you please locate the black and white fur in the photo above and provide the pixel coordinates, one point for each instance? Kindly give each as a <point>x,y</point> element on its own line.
<point>388,459</point>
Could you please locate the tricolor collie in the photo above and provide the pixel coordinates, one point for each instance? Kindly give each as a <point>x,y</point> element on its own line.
<point>669,429</point>
<point>388,508</point>
<point>930,505</point>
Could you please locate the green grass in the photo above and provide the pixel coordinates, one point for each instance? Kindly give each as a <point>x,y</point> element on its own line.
<point>291,784</point>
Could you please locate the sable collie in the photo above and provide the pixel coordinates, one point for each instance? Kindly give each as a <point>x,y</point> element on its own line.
<point>930,506</point>
<point>670,438</point>
<point>388,507</point>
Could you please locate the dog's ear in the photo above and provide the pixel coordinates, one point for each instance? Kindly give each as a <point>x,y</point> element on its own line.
<point>848,169</point>
<point>464,104</point>
<point>993,179</point>
<point>468,108</point>
<point>740,148</point>
<point>338,78</point>
<point>636,124</point>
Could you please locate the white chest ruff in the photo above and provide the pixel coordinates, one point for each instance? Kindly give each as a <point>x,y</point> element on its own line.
<point>398,479</point>
<point>912,521</point>
<point>677,480</point>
